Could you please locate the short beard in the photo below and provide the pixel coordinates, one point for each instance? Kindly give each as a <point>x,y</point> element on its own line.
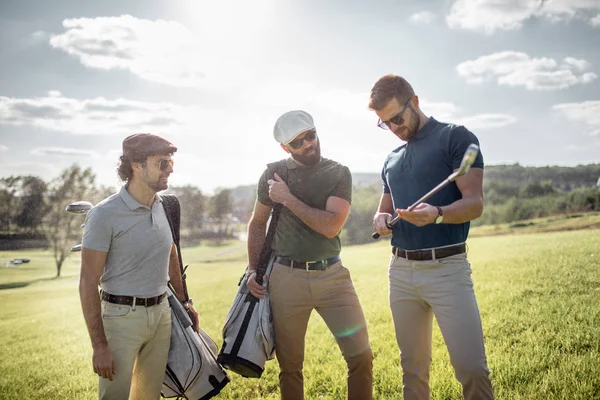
<point>310,160</point>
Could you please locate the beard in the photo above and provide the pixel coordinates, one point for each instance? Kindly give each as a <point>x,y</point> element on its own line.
<point>157,185</point>
<point>408,131</point>
<point>307,158</point>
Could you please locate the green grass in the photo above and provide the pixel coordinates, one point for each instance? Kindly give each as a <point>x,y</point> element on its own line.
<point>538,295</point>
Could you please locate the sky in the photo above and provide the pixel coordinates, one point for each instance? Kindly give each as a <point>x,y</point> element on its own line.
<point>212,77</point>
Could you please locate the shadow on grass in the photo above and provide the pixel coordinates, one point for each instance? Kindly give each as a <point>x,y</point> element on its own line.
<point>18,285</point>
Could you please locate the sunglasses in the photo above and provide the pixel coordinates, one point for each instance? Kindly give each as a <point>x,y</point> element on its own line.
<point>164,164</point>
<point>397,119</point>
<point>298,142</point>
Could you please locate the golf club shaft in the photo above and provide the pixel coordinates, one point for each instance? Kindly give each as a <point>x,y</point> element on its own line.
<point>433,191</point>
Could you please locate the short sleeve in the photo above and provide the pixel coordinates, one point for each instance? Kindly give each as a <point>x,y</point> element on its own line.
<point>97,234</point>
<point>460,139</point>
<point>262,190</point>
<point>343,189</point>
<point>386,188</point>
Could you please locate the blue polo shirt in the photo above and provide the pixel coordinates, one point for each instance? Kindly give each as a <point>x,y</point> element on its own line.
<point>413,169</point>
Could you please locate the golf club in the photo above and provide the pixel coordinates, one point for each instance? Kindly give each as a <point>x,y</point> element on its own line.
<point>79,207</point>
<point>465,165</point>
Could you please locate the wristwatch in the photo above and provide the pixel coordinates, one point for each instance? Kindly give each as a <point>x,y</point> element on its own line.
<point>440,216</point>
<point>188,303</point>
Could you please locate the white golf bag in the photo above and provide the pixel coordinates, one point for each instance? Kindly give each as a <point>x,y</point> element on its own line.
<point>192,370</point>
<point>248,337</point>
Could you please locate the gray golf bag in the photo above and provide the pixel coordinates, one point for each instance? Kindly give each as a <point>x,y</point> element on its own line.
<point>192,370</point>
<point>248,337</point>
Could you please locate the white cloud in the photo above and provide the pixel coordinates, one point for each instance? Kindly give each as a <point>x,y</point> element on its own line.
<point>449,112</point>
<point>422,18</point>
<point>519,69</point>
<point>586,113</point>
<point>486,121</point>
<point>3,148</point>
<point>491,15</point>
<point>160,51</point>
<point>98,116</point>
<point>61,151</point>
<point>595,21</point>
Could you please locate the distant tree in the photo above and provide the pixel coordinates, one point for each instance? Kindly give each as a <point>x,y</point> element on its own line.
<point>33,205</point>
<point>220,207</point>
<point>192,207</point>
<point>62,229</point>
<point>9,202</point>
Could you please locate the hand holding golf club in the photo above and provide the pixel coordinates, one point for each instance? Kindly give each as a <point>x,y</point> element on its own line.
<point>465,165</point>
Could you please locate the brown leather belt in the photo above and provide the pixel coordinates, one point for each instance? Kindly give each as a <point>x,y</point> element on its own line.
<point>429,254</point>
<point>128,300</point>
<point>320,265</point>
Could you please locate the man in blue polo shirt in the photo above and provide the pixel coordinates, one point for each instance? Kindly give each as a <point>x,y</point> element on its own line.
<point>429,271</point>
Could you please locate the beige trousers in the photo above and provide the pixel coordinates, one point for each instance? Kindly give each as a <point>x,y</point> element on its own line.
<point>294,293</point>
<point>139,339</point>
<point>421,289</point>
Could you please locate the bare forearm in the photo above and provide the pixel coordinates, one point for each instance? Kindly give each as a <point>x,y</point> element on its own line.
<point>176,280</point>
<point>322,221</point>
<point>90,304</point>
<point>256,240</point>
<point>463,210</point>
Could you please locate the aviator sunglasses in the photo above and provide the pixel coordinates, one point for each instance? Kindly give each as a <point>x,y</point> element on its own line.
<point>164,164</point>
<point>397,119</point>
<point>298,142</point>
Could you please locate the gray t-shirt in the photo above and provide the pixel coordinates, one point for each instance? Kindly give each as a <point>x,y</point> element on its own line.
<point>138,241</point>
<point>313,186</point>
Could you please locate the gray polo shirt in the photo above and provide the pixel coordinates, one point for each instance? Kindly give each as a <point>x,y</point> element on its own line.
<point>138,241</point>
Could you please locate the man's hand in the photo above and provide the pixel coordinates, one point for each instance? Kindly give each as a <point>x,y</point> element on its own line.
<point>104,362</point>
<point>423,214</point>
<point>278,189</point>
<point>257,290</point>
<point>193,315</point>
<point>380,221</point>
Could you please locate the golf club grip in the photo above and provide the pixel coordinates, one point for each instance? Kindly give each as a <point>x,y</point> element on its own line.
<point>376,235</point>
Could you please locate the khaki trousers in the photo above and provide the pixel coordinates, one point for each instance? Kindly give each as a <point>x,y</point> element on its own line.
<point>421,289</point>
<point>294,293</point>
<point>139,338</point>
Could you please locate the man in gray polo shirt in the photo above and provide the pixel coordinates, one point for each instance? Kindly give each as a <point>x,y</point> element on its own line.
<point>308,273</point>
<point>128,250</point>
<point>429,271</point>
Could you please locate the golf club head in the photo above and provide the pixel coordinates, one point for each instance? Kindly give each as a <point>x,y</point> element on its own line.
<point>79,207</point>
<point>468,159</point>
<point>77,247</point>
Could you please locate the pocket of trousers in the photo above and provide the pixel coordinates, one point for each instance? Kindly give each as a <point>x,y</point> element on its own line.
<point>110,310</point>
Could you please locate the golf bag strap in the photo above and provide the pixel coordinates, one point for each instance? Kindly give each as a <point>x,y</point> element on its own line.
<point>279,167</point>
<point>173,213</point>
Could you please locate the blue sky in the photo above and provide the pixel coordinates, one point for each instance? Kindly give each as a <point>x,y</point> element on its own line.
<point>212,77</point>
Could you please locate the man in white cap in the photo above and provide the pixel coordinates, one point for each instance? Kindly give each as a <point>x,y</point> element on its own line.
<point>308,273</point>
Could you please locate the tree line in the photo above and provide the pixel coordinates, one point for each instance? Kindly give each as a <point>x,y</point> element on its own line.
<point>32,210</point>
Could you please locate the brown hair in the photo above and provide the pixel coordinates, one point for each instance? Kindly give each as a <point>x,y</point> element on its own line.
<point>388,87</point>
<point>124,168</point>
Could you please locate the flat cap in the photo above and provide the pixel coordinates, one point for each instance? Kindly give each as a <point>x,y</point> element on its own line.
<point>147,144</point>
<point>291,124</point>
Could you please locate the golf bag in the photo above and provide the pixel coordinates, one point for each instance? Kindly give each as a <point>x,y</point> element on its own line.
<point>192,369</point>
<point>248,336</point>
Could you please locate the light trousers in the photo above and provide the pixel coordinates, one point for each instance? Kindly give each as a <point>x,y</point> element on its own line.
<point>294,293</point>
<point>444,288</point>
<point>139,340</point>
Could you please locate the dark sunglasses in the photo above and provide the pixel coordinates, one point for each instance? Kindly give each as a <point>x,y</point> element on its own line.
<point>397,119</point>
<point>164,164</point>
<point>298,142</point>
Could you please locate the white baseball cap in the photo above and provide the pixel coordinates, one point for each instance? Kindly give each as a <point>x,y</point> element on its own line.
<point>292,124</point>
